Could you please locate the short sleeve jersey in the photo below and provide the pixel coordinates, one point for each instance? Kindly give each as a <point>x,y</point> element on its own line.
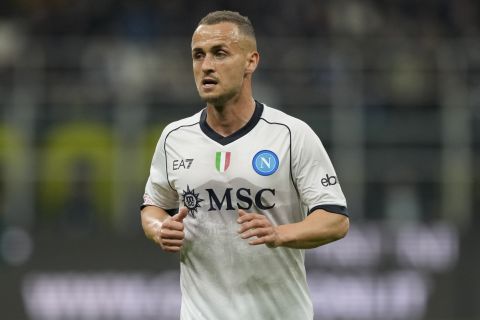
<point>276,166</point>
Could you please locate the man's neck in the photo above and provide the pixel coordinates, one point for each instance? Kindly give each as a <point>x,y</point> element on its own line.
<point>231,117</point>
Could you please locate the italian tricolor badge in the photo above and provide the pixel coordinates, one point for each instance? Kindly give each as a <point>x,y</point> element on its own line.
<point>222,161</point>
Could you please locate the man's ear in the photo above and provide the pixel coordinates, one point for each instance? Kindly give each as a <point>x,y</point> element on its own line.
<point>252,62</point>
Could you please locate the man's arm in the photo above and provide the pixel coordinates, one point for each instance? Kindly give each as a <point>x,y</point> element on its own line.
<point>318,228</point>
<point>163,229</point>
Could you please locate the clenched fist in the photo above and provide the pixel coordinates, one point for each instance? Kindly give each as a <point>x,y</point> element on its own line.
<point>169,234</point>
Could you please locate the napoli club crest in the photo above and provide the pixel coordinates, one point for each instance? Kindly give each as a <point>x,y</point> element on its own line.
<point>265,162</point>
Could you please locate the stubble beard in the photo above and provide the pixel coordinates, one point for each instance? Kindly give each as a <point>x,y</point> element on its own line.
<point>220,100</point>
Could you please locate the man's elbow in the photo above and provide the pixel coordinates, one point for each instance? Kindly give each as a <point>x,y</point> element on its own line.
<point>342,228</point>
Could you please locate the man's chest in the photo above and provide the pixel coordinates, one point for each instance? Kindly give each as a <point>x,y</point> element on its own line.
<point>258,160</point>
<point>244,174</point>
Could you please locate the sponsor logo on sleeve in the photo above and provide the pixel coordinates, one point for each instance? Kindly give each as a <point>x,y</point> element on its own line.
<point>329,181</point>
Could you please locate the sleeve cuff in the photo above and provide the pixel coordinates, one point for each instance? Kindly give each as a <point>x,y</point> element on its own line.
<point>171,212</point>
<point>333,208</point>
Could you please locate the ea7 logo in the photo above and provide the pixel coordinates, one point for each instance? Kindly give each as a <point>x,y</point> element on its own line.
<point>329,181</point>
<point>182,164</point>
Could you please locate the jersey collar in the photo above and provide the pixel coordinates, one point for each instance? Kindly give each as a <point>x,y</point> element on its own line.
<point>237,134</point>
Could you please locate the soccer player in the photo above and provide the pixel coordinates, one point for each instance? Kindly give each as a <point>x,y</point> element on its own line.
<point>240,189</point>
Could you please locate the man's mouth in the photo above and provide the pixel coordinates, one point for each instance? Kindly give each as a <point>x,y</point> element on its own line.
<point>209,82</point>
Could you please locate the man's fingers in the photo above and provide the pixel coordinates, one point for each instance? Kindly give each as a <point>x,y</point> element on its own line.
<point>176,222</point>
<point>256,223</point>
<point>256,226</point>
<point>245,216</point>
<point>171,234</point>
<point>172,242</point>
<point>241,215</point>
<point>171,248</point>
<point>267,240</point>
<point>172,225</point>
<point>182,214</point>
<point>255,232</point>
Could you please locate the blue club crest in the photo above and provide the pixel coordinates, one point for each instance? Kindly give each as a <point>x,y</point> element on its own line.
<point>265,162</point>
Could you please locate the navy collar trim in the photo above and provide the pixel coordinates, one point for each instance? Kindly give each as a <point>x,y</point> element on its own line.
<point>237,134</point>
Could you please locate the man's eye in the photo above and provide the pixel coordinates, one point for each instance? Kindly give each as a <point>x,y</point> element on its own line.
<point>220,54</point>
<point>198,56</point>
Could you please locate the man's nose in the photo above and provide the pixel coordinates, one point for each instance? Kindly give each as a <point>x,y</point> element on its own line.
<point>208,64</point>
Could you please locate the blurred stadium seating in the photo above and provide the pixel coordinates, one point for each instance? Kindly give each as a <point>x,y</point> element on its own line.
<point>391,87</point>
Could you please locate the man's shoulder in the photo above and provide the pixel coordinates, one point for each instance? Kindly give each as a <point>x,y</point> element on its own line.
<point>273,115</point>
<point>181,123</point>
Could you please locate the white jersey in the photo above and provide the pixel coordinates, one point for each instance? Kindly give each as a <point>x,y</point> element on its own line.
<point>275,165</point>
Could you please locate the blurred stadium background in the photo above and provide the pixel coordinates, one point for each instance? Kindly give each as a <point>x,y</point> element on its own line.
<point>392,87</point>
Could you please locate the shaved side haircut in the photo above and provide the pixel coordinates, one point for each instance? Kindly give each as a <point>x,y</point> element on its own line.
<point>243,23</point>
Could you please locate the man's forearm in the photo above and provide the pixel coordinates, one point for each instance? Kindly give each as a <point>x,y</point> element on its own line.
<point>319,228</point>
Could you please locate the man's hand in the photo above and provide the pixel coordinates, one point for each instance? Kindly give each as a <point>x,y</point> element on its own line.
<point>170,235</point>
<point>257,225</point>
